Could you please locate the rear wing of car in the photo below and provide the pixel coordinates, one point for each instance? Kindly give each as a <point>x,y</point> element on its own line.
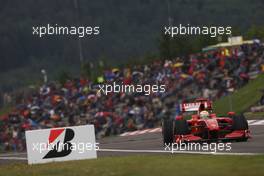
<point>196,106</point>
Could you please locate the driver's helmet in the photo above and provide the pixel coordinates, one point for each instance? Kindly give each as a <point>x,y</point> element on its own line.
<point>204,114</point>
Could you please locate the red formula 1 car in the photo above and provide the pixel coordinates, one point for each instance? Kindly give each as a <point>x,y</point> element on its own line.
<point>204,126</point>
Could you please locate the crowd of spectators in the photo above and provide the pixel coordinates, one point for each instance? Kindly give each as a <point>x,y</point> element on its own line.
<point>210,74</point>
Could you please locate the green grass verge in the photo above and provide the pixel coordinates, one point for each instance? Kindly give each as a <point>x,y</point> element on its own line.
<point>243,98</point>
<point>146,165</point>
<point>254,115</point>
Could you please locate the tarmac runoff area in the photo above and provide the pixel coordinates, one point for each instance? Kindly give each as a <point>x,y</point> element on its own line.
<point>150,142</point>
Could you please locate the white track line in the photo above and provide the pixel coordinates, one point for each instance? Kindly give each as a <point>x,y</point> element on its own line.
<point>176,152</point>
<point>149,151</point>
<point>251,121</point>
<point>134,151</point>
<point>12,158</point>
<point>259,122</point>
<point>12,154</point>
<point>155,130</point>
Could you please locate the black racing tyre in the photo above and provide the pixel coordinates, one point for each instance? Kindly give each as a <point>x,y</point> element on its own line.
<point>181,127</point>
<point>240,123</point>
<point>167,131</point>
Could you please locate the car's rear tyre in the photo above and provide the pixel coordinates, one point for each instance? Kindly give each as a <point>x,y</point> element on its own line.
<point>167,131</point>
<point>181,127</point>
<point>240,123</point>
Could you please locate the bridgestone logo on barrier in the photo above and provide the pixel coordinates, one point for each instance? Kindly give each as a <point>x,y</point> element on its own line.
<point>61,144</point>
<point>54,153</point>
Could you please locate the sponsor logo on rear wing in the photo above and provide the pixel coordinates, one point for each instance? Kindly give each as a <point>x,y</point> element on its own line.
<point>188,107</point>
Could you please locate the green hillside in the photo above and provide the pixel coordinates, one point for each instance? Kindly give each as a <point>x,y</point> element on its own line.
<point>242,99</point>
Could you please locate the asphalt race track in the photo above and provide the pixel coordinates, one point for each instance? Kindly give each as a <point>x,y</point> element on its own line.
<point>151,143</point>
